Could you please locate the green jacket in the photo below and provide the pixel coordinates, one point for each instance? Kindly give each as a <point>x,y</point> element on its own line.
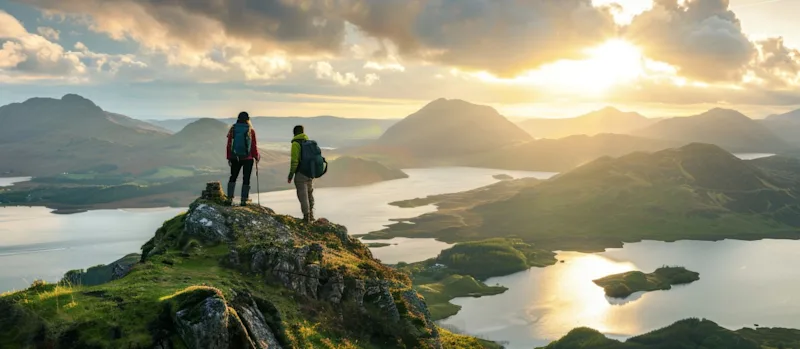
<point>296,153</point>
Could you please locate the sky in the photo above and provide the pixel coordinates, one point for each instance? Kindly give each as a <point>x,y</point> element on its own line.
<point>387,58</point>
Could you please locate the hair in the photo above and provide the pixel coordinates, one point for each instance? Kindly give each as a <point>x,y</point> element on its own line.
<point>298,130</point>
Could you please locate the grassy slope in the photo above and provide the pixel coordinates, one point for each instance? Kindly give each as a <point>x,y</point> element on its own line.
<point>126,312</point>
<point>696,192</point>
<point>690,333</point>
<point>624,284</point>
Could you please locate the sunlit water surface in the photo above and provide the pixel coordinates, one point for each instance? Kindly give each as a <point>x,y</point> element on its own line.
<point>36,244</point>
<point>741,284</point>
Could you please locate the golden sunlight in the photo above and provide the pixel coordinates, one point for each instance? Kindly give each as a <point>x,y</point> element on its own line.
<point>612,63</point>
<point>578,298</point>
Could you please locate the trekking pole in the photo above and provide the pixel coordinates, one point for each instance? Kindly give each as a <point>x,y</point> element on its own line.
<point>258,186</point>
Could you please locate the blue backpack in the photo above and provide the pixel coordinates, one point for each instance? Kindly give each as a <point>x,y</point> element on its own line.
<point>312,164</point>
<point>241,144</point>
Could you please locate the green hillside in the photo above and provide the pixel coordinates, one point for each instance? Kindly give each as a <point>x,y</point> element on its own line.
<point>690,333</point>
<point>232,277</point>
<point>698,192</point>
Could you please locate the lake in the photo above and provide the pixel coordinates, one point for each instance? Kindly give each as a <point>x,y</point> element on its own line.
<point>8,181</point>
<point>741,284</point>
<point>36,244</point>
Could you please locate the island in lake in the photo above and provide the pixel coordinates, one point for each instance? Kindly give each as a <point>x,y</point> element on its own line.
<point>624,284</point>
<point>458,271</point>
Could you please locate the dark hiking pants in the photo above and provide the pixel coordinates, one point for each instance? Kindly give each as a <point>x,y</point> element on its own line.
<point>237,166</point>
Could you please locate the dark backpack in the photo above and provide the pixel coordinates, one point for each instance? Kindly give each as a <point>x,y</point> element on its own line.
<point>241,144</point>
<point>312,164</point>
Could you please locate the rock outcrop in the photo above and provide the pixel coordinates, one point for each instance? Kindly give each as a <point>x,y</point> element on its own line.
<point>317,263</point>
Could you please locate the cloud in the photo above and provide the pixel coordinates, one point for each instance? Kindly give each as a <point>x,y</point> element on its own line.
<point>504,37</point>
<point>702,38</point>
<point>202,25</point>
<point>49,33</point>
<point>777,65</point>
<point>33,56</point>
<point>26,56</point>
<point>325,71</point>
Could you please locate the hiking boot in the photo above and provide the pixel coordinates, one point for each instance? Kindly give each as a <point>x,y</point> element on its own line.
<point>309,218</point>
<point>245,194</point>
<point>230,192</point>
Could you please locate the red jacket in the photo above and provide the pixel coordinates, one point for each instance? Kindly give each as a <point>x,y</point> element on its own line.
<point>253,146</point>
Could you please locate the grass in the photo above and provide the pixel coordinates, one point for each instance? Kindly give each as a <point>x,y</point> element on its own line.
<point>624,284</point>
<point>135,310</point>
<point>452,340</point>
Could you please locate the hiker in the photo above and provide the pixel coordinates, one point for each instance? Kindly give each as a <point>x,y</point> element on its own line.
<point>242,152</point>
<point>306,164</point>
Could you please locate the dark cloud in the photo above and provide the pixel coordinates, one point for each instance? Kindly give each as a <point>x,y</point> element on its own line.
<point>501,36</point>
<point>296,25</point>
<point>504,37</point>
<point>702,38</point>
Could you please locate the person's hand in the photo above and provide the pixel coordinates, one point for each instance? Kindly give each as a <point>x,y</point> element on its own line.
<point>289,180</point>
<point>258,158</point>
<point>229,163</point>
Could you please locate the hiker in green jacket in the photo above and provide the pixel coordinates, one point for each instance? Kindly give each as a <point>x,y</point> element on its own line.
<point>302,182</point>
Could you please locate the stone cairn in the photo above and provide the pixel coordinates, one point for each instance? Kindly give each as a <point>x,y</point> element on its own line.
<point>213,192</point>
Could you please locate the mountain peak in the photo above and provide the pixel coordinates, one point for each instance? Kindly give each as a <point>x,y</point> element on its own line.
<point>77,100</point>
<point>204,127</point>
<point>723,113</point>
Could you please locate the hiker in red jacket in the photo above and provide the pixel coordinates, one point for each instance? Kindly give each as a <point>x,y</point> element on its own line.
<point>242,152</point>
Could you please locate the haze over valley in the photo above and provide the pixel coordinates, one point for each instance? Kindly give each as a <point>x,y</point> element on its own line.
<point>432,174</point>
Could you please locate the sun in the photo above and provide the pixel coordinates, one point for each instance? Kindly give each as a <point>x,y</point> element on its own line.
<point>612,63</point>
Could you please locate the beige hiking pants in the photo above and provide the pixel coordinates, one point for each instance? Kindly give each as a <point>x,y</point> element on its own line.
<point>305,193</point>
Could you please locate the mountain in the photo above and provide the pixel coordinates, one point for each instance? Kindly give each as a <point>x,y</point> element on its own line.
<point>727,128</point>
<point>793,115</point>
<point>445,128</point>
<point>231,277</point>
<point>786,126</point>
<point>329,131</point>
<point>607,120</point>
<point>689,333</point>
<point>348,171</point>
<point>697,192</point>
<point>563,154</point>
<point>47,136</point>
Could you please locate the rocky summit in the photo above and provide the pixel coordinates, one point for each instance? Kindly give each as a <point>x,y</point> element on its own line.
<point>231,277</point>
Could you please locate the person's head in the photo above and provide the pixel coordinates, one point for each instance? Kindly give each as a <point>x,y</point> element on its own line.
<point>243,117</point>
<point>298,130</point>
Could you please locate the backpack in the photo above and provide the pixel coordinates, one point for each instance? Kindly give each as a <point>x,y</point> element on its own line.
<point>312,164</point>
<point>241,144</point>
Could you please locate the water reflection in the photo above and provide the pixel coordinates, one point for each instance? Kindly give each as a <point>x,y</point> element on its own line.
<point>741,283</point>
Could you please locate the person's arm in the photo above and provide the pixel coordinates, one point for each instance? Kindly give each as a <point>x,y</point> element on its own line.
<point>228,144</point>
<point>295,159</point>
<point>254,145</point>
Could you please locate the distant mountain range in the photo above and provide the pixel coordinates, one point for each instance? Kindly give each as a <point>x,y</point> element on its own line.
<point>727,128</point>
<point>84,157</point>
<point>607,120</point>
<point>329,131</point>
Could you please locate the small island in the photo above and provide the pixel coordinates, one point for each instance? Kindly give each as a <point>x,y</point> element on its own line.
<point>502,177</point>
<point>378,245</point>
<point>624,284</point>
